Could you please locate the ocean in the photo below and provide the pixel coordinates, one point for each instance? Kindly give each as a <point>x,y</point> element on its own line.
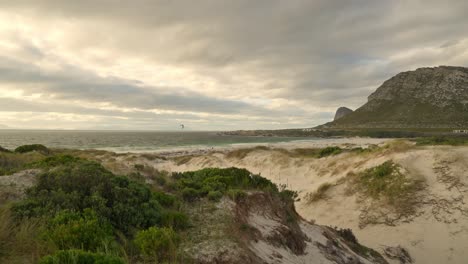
<point>128,141</point>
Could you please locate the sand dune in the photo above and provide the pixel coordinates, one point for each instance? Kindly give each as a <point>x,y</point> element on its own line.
<point>437,231</point>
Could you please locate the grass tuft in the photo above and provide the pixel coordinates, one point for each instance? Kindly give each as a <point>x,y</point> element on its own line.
<point>387,183</point>
<point>319,194</point>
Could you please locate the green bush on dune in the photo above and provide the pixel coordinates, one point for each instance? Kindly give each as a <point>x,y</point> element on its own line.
<point>80,257</point>
<point>214,182</point>
<point>329,151</point>
<point>84,184</point>
<point>71,230</point>
<point>78,210</point>
<point>34,147</point>
<point>157,243</point>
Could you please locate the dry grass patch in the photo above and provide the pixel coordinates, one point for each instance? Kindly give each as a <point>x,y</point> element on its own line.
<point>244,152</point>
<point>386,193</point>
<point>181,160</point>
<point>319,194</point>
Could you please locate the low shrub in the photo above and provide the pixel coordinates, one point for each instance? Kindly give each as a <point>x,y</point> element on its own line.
<point>80,257</point>
<point>72,230</point>
<point>236,194</point>
<point>34,147</point>
<point>215,195</point>
<point>55,161</point>
<point>198,184</point>
<point>127,204</point>
<point>165,199</point>
<point>189,194</point>
<point>329,151</point>
<point>157,244</point>
<point>174,219</point>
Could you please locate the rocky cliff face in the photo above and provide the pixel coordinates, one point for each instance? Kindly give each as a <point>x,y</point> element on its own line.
<point>342,112</point>
<point>424,98</point>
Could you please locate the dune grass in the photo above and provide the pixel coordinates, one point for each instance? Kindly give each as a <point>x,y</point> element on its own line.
<point>319,194</point>
<point>244,152</point>
<point>388,184</point>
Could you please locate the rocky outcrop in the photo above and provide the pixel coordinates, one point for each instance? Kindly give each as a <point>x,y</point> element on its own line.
<point>342,112</point>
<point>424,98</point>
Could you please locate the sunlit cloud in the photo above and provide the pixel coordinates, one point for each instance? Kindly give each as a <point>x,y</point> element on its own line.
<point>212,65</point>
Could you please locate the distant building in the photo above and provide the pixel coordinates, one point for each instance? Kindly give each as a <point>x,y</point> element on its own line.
<point>461,131</point>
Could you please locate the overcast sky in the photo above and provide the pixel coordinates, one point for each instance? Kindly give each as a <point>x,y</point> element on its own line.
<point>211,64</point>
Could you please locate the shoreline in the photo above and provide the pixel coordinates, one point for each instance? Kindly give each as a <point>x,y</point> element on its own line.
<point>345,142</point>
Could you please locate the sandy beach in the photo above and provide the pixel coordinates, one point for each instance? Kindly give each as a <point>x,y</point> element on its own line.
<point>436,232</point>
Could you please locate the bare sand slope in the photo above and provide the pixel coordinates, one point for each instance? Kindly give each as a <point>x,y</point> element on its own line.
<point>437,231</point>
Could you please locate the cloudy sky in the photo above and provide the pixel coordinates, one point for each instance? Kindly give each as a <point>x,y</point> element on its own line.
<point>211,64</point>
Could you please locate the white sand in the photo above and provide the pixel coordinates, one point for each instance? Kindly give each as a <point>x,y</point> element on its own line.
<point>438,235</point>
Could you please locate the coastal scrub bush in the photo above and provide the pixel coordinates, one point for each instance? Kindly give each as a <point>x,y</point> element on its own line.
<point>175,219</point>
<point>329,151</point>
<point>157,244</point>
<point>34,147</point>
<point>80,257</point>
<point>215,195</point>
<point>189,194</point>
<point>56,160</point>
<point>127,204</point>
<point>236,194</point>
<point>165,199</point>
<point>197,184</point>
<point>73,230</point>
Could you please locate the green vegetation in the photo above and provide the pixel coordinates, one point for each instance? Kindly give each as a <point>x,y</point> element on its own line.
<point>80,257</point>
<point>71,230</point>
<point>442,140</point>
<point>329,151</point>
<point>314,152</point>
<point>34,147</point>
<point>158,243</point>
<point>13,162</point>
<point>82,184</point>
<point>80,212</point>
<point>198,184</point>
<point>386,182</point>
<point>83,209</point>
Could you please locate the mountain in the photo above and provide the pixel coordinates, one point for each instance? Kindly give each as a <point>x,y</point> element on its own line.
<point>424,98</point>
<point>341,112</point>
